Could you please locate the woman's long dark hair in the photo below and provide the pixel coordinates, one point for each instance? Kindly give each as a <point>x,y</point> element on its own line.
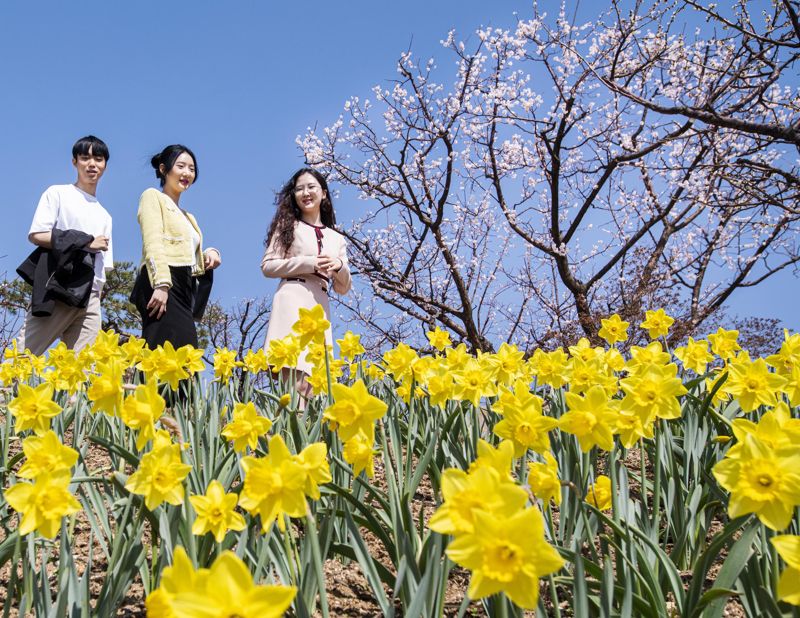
<point>282,226</point>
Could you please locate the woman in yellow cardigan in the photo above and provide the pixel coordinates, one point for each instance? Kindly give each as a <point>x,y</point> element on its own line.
<point>172,253</point>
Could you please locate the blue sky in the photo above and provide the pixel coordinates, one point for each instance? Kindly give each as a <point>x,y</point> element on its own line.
<point>237,82</point>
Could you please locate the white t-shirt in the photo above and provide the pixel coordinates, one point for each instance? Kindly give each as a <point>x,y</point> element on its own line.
<point>66,207</point>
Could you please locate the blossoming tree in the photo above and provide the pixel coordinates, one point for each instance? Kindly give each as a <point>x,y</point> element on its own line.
<point>567,171</point>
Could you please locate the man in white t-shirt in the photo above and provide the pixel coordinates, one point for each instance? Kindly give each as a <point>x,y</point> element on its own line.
<point>73,207</point>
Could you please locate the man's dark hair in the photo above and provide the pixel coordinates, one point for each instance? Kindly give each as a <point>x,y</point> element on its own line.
<point>90,145</point>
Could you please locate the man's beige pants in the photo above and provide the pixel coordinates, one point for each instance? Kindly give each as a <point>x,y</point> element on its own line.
<point>76,327</point>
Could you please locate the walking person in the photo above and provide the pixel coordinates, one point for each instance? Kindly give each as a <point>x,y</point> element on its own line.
<point>167,292</point>
<point>72,232</point>
<point>307,254</point>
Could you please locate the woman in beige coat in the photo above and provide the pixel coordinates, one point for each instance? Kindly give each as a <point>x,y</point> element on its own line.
<point>306,254</point>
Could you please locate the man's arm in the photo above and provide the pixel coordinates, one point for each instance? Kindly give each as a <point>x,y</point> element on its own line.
<point>41,239</point>
<point>45,240</point>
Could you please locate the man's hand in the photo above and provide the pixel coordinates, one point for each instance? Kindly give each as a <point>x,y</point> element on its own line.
<point>100,243</point>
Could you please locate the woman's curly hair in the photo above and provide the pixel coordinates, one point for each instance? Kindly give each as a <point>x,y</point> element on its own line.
<point>282,226</point>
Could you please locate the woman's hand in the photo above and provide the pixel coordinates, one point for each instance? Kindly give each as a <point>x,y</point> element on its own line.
<point>158,302</point>
<point>327,266</point>
<point>211,259</point>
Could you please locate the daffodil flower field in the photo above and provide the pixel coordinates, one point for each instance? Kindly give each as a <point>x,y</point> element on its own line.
<point>579,482</point>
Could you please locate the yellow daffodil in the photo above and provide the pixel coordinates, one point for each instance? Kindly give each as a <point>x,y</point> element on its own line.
<point>224,363</point>
<point>524,424</point>
<point>543,479</point>
<point>657,323</point>
<point>15,371</point>
<point>12,353</point>
<point>788,357</point>
<point>792,385</point>
<point>456,358</point>
<point>141,410</point>
<point>614,360</point>
<point>318,380</point>
<point>599,494</point>
<point>159,477</point>
<point>584,374</point>
<point>642,357</point>
<point>468,493</point>
<point>761,481</point>
<point>68,375</point>
<point>695,355</point>
<point>614,329</point>
<point>506,554</point>
<point>630,427</point>
<point>752,384</point>
<point>255,362</point>
<point>360,453</point>
<point>499,458</point>
<point>43,503</point>
<point>550,367</point>
<point>374,372</point>
<point>590,418</point>
<point>472,383</point>
<point>180,577</point>
<point>440,389</point>
<point>167,364</point>
<point>228,590</point>
<point>438,338</point>
<point>311,325</point>
<point>354,410</point>
<point>192,359</point>
<point>216,512</point>
<point>314,461</point>
<point>132,351</point>
<point>283,353</point>
<point>45,453</point>
<point>788,547</point>
<point>273,485</point>
<point>399,360</point>
<point>350,345</point>
<point>724,343</point>
<point>246,426</point>
<point>33,408</point>
<point>404,390</point>
<point>106,346</point>
<point>585,351</point>
<point>508,363</point>
<point>653,393</point>
<point>105,390</point>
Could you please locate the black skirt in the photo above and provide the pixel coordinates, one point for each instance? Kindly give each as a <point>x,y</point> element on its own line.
<point>176,325</point>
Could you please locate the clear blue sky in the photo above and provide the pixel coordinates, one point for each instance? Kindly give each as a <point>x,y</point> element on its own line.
<point>237,82</point>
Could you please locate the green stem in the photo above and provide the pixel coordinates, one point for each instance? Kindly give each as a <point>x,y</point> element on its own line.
<point>318,563</point>
<point>643,478</point>
<point>328,371</point>
<point>657,484</point>
<point>554,596</point>
<point>287,547</point>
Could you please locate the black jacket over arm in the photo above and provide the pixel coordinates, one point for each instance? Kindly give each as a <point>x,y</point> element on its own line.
<point>65,272</point>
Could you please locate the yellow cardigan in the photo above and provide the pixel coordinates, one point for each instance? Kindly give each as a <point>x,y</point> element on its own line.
<point>167,238</point>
